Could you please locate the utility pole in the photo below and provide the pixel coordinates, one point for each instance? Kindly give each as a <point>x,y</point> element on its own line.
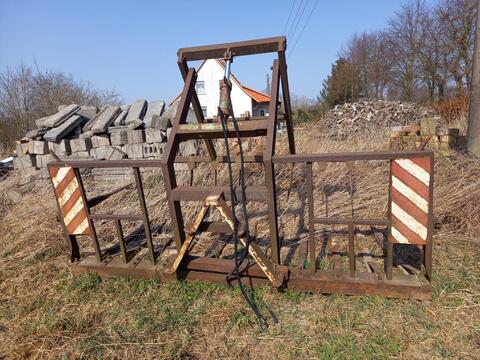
<point>473,132</point>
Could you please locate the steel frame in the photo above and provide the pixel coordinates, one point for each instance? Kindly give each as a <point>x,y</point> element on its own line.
<point>353,282</point>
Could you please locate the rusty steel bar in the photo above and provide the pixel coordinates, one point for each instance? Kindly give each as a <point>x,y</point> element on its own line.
<point>429,244</point>
<point>311,222</point>
<point>346,221</point>
<point>389,258</point>
<point>129,217</point>
<point>286,101</point>
<point>269,166</point>
<point>351,250</point>
<point>121,241</point>
<point>350,156</point>
<point>239,48</point>
<point>171,149</point>
<point>96,244</point>
<point>143,206</point>
<point>197,108</point>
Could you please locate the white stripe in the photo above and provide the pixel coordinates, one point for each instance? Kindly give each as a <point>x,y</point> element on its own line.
<point>414,170</point>
<point>410,194</point>
<point>67,193</point>
<point>73,211</point>
<point>409,221</point>
<point>61,173</point>
<point>399,236</point>
<point>81,228</point>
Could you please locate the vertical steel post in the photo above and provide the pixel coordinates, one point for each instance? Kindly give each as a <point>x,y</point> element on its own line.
<point>429,245</point>
<point>197,108</point>
<point>168,160</point>
<point>96,244</point>
<point>311,222</point>
<point>143,206</point>
<point>121,241</point>
<point>351,250</point>
<point>389,259</point>
<point>269,167</point>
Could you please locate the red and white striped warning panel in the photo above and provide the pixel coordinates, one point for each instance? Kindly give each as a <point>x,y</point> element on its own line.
<point>72,206</point>
<point>410,199</point>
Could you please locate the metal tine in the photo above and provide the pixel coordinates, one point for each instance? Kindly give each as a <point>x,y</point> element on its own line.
<point>290,181</point>
<point>143,206</point>
<point>350,168</point>
<point>121,239</point>
<point>214,165</point>
<point>322,167</point>
<point>311,223</point>
<point>94,237</point>
<point>351,250</point>
<point>191,166</point>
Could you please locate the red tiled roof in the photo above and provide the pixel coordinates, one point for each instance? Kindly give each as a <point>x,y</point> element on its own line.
<point>256,95</point>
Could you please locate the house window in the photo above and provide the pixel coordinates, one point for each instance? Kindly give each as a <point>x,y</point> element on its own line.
<point>200,87</point>
<point>262,112</point>
<point>204,111</point>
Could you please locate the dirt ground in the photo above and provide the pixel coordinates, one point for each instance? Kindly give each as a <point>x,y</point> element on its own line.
<point>46,312</point>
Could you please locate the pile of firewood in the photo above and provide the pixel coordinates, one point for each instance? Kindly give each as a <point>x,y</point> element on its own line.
<point>359,116</point>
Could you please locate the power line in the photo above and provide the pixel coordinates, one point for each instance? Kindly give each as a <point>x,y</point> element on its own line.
<point>300,18</point>
<point>304,26</point>
<point>295,18</point>
<point>289,15</point>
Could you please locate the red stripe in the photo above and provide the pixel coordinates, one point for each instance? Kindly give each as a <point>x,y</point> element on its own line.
<point>409,207</point>
<point>411,235</point>
<point>70,202</point>
<point>65,182</point>
<point>411,181</point>
<point>423,162</point>
<point>77,220</point>
<point>53,171</point>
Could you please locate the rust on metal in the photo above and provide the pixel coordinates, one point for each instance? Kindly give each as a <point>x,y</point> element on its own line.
<point>409,219</point>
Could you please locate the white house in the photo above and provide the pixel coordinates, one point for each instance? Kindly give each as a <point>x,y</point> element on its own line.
<point>245,100</point>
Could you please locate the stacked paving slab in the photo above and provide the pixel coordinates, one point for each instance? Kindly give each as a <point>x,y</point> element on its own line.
<point>135,131</point>
<point>410,137</point>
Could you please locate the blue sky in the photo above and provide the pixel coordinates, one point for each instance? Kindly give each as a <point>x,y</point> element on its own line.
<point>131,46</point>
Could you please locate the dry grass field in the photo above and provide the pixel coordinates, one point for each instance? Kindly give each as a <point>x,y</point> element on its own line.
<point>46,312</point>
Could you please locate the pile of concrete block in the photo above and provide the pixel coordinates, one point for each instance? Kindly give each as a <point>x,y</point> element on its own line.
<point>135,131</point>
<point>410,137</point>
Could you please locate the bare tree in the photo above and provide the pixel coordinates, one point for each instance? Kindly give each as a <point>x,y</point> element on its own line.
<point>405,39</point>
<point>458,19</point>
<point>27,94</point>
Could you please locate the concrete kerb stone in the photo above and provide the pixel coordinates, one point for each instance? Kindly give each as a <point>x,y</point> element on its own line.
<point>38,147</point>
<point>100,140</point>
<point>80,144</point>
<point>136,136</point>
<point>119,137</point>
<point>137,111</point>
